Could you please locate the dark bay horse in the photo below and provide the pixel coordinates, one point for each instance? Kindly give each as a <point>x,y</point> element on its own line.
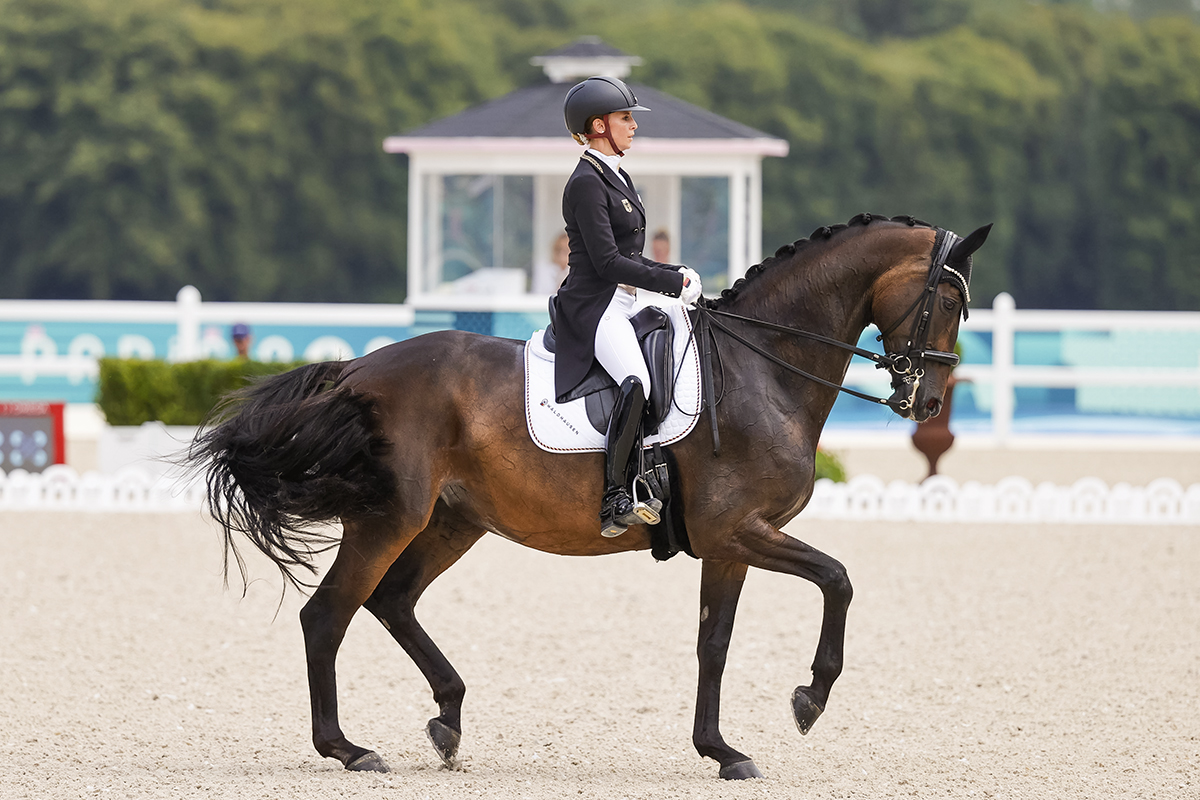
<point>421,447</point>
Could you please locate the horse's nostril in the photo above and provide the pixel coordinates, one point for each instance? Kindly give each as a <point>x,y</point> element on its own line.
<point>934,407</point>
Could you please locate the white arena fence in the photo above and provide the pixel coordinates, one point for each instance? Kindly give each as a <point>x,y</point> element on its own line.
<point>1089,501</point>
<point>1127,363</point>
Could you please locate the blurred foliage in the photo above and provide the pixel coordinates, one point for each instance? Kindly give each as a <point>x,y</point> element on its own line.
<point>236,144</point>
<point>232,144</point>
<point>132,391</point>
<point>829,466</point>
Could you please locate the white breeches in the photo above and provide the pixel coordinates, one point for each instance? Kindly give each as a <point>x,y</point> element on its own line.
<point>616,344</point>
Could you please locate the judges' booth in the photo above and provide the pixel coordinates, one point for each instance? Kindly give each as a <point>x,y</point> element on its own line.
<point>485,188</point>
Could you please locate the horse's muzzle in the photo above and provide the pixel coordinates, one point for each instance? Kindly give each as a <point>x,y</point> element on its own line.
<point>910,398</point>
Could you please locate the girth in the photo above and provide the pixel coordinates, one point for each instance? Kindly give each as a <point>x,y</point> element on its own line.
<point>652,326</point>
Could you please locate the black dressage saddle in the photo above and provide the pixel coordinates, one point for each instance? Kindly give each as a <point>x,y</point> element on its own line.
<point>656,337</point>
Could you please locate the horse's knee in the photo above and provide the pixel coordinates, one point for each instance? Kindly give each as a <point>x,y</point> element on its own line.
<point>836,586</point>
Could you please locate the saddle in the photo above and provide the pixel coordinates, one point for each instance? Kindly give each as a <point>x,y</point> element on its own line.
<point>656,338</point>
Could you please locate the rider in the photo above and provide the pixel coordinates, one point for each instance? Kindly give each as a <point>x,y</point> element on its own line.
<point>606,227</point>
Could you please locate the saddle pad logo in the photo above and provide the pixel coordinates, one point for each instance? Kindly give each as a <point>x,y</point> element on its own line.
<point>627,204</point>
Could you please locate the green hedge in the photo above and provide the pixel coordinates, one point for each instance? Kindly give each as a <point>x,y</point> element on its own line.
<point>133,391</point>
<point>828,466</point>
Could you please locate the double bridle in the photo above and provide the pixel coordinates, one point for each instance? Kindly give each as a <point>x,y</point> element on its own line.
<point>907,368</point>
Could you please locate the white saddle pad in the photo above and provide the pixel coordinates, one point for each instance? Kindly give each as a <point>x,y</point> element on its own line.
<point>564,428</point>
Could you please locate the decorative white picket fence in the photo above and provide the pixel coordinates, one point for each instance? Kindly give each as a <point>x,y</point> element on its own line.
<point>1088,501</point>
<point>61,488</point>
<point>940,499</point>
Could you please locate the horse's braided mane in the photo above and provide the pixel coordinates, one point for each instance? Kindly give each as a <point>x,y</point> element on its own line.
<point>788,251</point>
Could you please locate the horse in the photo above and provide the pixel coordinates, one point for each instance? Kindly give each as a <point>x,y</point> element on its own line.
<point>421,447</point>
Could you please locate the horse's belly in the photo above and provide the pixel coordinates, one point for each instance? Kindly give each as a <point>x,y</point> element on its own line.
<point>553,524</point>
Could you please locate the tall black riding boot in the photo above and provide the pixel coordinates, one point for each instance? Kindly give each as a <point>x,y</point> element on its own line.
<point>616,510</point>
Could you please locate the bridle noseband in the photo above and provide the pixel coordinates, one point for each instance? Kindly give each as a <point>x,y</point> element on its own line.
<point>907,368</point>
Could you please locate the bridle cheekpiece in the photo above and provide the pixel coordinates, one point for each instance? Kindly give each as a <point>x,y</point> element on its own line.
<point>908,368</point>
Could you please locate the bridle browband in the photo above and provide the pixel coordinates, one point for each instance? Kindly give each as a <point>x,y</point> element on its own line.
<point>907,368</point>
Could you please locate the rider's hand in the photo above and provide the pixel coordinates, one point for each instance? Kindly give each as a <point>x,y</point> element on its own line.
<point>691,286</point>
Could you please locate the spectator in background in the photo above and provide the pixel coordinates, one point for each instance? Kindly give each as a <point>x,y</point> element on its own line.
<point>660,246</point>
<point>548,277</point>
<point>240,333</point>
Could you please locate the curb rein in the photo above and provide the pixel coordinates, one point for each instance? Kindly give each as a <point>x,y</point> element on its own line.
<point>907,368</point>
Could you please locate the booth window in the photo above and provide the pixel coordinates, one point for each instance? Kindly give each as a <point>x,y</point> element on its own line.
<point>704,229</point>
<point>481,239</point>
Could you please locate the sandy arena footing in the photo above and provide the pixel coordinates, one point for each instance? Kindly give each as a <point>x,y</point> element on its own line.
<point>988,662</point>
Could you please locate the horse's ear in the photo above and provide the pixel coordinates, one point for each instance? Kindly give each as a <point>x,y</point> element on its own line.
<point>969,245</point>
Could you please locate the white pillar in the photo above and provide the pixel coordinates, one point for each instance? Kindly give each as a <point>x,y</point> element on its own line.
<point>1003,319</point>
<point>754,224</point>
<point>187,331</point>
<point>416,219</point>
<point>738,245</point>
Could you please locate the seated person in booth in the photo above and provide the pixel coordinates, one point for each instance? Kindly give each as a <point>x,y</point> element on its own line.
<point>660,245</point>
<point>606,230</point>
<point>547,277</point>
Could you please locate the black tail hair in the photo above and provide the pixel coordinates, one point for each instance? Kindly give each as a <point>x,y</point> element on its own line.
<point>289,452</point>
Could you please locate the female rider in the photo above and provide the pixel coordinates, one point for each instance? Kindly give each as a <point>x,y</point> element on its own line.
<point>606,228</point>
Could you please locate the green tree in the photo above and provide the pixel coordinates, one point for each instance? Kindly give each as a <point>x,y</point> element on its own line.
<point>233,144</point>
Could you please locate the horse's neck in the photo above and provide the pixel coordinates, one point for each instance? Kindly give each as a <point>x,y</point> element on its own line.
<point>826,288</point>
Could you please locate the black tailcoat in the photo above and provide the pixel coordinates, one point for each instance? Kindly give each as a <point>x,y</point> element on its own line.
<point>606,227</point>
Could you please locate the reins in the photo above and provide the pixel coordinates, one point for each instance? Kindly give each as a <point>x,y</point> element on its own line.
<point>906,368</point>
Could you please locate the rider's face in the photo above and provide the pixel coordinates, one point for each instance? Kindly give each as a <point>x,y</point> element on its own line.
<point>622,125</point>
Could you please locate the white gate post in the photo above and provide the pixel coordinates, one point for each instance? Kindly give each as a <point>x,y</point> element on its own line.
<point>1003,319</point>
<point>187,336</point>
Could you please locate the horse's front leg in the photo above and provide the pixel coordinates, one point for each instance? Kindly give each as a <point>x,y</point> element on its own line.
<point>720,587</point>
<point>760,544</point>
<point>757,543</point>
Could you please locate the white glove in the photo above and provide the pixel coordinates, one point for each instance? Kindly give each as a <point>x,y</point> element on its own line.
<point>691,286</point>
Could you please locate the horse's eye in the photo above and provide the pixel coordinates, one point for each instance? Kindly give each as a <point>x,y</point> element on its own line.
<point>949,303</point>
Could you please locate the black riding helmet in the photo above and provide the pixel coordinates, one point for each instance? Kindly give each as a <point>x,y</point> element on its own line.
<point>596,97</point>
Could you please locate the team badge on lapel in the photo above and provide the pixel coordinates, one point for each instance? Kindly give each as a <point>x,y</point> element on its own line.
<point>627,204</point>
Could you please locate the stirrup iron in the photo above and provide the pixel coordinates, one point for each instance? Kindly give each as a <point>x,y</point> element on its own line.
<point>649,510</point>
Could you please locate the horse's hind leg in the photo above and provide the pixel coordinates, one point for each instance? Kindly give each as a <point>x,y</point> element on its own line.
<point>368,548</point>
<point>430,554</point>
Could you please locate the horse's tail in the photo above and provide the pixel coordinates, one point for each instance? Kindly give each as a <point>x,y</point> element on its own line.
<point>287,453</point>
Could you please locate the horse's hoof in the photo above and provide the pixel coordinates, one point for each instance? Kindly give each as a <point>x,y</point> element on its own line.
<point>804,709</point>
<point>740,771</point>
<point>368,762</point>
<point>444,740</point>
